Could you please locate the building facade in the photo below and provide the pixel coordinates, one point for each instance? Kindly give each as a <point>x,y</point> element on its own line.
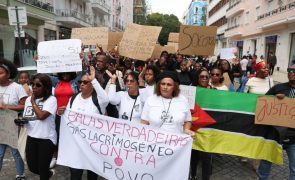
<point>54,19</point>
<point>196,14</point>
<point>268,26</point>
<point>140,11</point>
<point>217,17</point>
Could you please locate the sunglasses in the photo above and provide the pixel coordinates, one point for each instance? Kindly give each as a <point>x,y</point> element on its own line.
<point>84,82</point>
<point>291,70</point>
<point>215,74</point>
<point>204,77</point>
<point>37,85</point>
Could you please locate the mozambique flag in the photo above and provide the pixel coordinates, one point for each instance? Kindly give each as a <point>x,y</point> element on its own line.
<point>224,123</point>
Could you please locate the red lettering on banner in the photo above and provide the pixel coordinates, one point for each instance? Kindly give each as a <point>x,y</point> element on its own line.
<point>151,160</point>
<point>118,127</point>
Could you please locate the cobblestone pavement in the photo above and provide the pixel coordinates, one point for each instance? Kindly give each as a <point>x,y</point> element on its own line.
<point>224,168</point>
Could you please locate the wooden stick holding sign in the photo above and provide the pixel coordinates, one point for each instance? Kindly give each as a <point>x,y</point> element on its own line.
<point>196,40</point>
<point>274,111</point>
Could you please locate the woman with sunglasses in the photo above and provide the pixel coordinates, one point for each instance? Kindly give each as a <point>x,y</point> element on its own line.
<point>202,81</point>
<point>216,79</point>
<point>130,102</point>
<point>42,137</point>
<point>12,97</point>
<point>83,102</point>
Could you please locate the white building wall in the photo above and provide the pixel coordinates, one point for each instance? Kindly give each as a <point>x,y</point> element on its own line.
<point>219,14</point>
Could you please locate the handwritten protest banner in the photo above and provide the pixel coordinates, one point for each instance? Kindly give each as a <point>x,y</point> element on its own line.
<point>274,111</point>
<point>114,39</point>
<point>197,40</point>
<point>190,93</point>
<point>175,45</point>
<point>173,37</point>
<point>92,36</point>
<point>59,56</point>
<point>138,41</point>
<point>118,149</point>
<point>169,49</point>
<point>228,53</point>
<point>8,130</point>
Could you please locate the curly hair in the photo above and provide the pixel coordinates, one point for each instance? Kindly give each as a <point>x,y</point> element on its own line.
<point>9,67</point>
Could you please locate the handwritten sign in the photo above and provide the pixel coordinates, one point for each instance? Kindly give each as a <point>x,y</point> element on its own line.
<point>114,39</point>
<point>197,40</point>
<point>138,41</point>
<point>59,56</point>
<point>175,45</point>
<point>228,53</point>
<point>190,93</point>
<point>274,111</point>
<point>8,130</point>
<point>118,149</point>
<point>157,51</point>
<point>173,37</point>
<point>92,36</point>
<point>169,49</point>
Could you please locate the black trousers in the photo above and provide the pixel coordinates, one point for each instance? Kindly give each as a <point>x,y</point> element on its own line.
<point>76,174</point>
<point>39,153</point>
<point>271,68</point>
<point>205,159</point>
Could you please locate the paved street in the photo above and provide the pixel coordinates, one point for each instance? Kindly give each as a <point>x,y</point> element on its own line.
<point>224,168</point>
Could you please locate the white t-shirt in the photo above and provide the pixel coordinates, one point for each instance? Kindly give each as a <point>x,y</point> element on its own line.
<point>244,63</point>
<point>87,105</point>
<point>44,129</point>
<point>158,113</point>
<point>12,93</point>
<point>126,104</point>
<point>148,91</point>
<point>223,87</point>
<point>258,85</point>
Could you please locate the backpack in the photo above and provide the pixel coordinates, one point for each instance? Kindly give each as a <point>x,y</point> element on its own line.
<point>94,100</point>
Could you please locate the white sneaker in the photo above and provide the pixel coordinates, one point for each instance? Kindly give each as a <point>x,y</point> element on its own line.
<point>20,177</point>
<point>52,163</point>
<point>53,173</point>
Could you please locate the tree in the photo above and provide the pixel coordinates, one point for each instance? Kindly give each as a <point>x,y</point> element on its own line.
<point>169,23</point>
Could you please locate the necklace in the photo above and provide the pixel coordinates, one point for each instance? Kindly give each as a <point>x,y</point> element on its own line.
<point>165,117</point>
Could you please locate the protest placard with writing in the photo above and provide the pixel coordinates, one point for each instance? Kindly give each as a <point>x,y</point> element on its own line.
<point>119,149</point>
<point>169,49</point>
<point>173,37</point>
<point>197,40</point>
<point>59,56</point>
<point>92,36</point>
<point>8,130</point>
<point>138,41</point>
<point>157,51</point>
<point>274,111</point>
<point>228,53</point>
<point>174,44</point>
<point>190,93</point>
<point>114,39</point>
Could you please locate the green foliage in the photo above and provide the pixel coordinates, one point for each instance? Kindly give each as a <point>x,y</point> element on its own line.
<point>169,23</point>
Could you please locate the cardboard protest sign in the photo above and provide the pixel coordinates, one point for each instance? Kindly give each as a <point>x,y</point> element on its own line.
<point>169,49</point>
<point>114,39</point>
<point>157,51</point>
<point>59,56</point>
<point>173,37</point>
<point>92,36</point>
<point>228,53</point>
<point>274,111</point>
<point>197,40</point>
<point>175,45</point>
<point>190,93</point>
<point>8,130</point>
<point>138,41</point>
<point>119,149</point>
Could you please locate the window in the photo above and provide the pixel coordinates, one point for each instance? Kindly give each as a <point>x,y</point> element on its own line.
<point>49,35</point>
<point>257,11</point>
<point>247,17</point>
<point>196,10</point>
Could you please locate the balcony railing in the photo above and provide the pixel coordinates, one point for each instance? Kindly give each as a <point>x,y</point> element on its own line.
<point>276,11</point>
<point>45,6</point>
<point>233,5</point>
<point>102,3</point>
<point>233,27</point>
<point>73,13</point>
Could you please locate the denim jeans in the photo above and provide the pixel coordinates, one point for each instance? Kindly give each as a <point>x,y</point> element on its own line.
<point>265,166</point>
<point>19,163</point>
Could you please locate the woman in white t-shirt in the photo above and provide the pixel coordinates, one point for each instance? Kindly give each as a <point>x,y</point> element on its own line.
<point>148,80</point>
<point>262,82</point>
<point>12,97</point>
<point>40,108</point>
<point>167,109</point>
<point>129,102</point>
<point>216,79</point>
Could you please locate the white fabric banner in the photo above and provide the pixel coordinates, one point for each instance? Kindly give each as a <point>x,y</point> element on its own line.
<point>59,56</point>
<point>228,53</point>
<point>118,149</point>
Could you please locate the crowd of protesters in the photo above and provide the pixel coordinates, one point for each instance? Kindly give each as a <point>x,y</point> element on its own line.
<point>144,92</point>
